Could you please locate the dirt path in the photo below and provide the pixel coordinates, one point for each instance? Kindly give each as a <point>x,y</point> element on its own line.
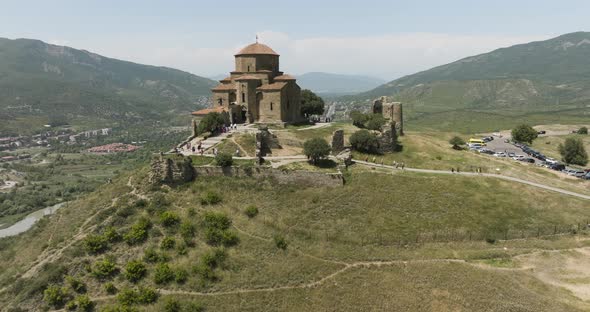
<point>472,174</point>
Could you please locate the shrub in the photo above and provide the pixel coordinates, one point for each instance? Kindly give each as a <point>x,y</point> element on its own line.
<point>358,119</point>
<point>104,268</point>
<point>583,130</point>
<point>169,219</point>
<point>127,297</point>
<point>171,305</point>
<point>214,258</point>
<point>76,284</point>
<point>456,142</point>
<point>210,198</point>
<point>138,232</point>
<point>84,303</point>
<point>195,307</point>
<point>135,270</point>
<point>205,272</point>
<point>163,274</point>
<point>55,296</point>
<point>316,149</point>
<point>251,211</point>
<point>216,220</point>
<point>151,255</point>
<point>224,160</point>
<point>147,295</point>
<point>110,288</point>
<point>280,242</point>
<point>168,242</point>
<point>95,244</point>
<point>71,305</point>
<point>490,240</point>
<point>180,276</point>
<point>573,152</point>
<point>187,230</point>
<point>364,141</point>
<point>112,235</point>
<point>311,103</point>
<point>229,238</point>
<point>375,122</point>
<point>524,134</point>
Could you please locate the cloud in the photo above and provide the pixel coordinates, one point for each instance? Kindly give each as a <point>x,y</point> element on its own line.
<point>388,56</point>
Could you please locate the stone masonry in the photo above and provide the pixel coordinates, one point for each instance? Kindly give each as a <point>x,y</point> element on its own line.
<point>337,141</point>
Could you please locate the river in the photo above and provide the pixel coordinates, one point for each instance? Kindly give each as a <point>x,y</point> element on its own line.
<point>26,223</point>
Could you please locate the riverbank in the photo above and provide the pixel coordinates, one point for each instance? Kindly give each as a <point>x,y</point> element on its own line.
<point>27,222</point>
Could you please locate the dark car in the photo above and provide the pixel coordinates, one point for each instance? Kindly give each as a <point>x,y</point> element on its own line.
<point>541,132</point>
<point>557,167</point>
<point>527,160</point>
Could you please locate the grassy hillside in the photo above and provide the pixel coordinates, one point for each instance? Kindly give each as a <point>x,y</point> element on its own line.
<point>55,84</point>
<point>517,83</point>
<point>344,247</point>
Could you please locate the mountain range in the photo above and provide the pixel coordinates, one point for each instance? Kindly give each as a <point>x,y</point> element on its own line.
<point>38,79</point>
<point>544,76</point>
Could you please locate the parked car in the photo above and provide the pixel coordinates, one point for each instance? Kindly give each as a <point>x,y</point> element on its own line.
<point>578,173</point>
<point>486,151</point>
<point>587,176</point>
<point>541,132</point>
<point>487,139</point>
<point>511,155</point>
<point>500,154</point>
<point>551,161</point>
<point>527,160</point>
<point>557,166</point>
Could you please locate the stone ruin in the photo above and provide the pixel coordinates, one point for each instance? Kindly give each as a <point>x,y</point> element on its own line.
<point>391,111</point>
<point>265,142</point>
<point>388,138</point>
<point>165,170</point>
<point>337,141</point>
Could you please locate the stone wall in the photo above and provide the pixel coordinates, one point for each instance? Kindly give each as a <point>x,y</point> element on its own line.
<point>179,169</point>
<point>337,141</point>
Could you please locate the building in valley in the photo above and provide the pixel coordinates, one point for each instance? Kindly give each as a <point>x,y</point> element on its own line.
<point>257,91</point>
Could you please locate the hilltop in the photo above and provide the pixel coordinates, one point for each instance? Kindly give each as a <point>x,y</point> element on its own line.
<point>55,84</point>
<point>529,81</point>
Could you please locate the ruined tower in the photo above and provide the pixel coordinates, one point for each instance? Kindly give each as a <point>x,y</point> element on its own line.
<point>391,111</point>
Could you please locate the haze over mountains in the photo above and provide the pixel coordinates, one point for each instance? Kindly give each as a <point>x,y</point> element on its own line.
<point>538,76</point>
<point>42,79</point>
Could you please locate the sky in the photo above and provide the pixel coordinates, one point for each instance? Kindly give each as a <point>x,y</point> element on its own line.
<point>386,39</point>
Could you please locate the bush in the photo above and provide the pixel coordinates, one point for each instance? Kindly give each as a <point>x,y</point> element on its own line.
<point>280,242</point>
<point>112,235</point>
<point>214,258</point>
<point>573,152</point>
<point>104,268</point>
<point>456,142</point>
<point>583,130</point>
<point>211,122</point>
<point>311,103</point>
<point>169,219</point>
<point>110,288</point>
<point>168,242</point>
<point>524,134</point>
<point>187,231</point>
<point>375,122</point>
<point>127,297</point>
<point>216,220</point>
<point>76,284</point>
<point>138,232</point>
<point>210,198</point>
<point>84,303</point>
<point>95,244</point>
<point>364,141</point>
<point>180,276</point>
<point>163,274</point>
<point>135,270</point>
<point>205,272</point>
<point>151,255</point>
<point>55,296</point>
<point>358,119</point>
<point>229,238</point>
<point>251,211</point>
<point>147,295</point>
<point>224,160</point>
<point>316,149</point>
<point>171,305</point>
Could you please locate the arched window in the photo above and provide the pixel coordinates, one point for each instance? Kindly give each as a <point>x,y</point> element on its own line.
<point>270,105</point>
<point>220,101</point>
<point>248,67</point>
<point>243,97</point>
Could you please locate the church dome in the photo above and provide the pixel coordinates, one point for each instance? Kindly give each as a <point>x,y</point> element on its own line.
<point>257,48</point>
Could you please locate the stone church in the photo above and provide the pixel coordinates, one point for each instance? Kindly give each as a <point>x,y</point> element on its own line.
<point>257,91</point>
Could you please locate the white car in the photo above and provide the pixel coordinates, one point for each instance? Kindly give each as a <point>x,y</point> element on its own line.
<point>500,154</point>
<point>551,161</point>
<point>518,157</point>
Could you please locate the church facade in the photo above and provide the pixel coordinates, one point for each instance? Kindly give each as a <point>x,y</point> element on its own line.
<point>257,91</point>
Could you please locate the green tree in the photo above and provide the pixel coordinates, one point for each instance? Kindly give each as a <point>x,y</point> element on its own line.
<point>573,152</point>
<point>358,119</point>
<point>211,122</point>
<point>316,149</point>
<point>311,103</point>
<point>456,142</point>
<point>375,122</point>
<point>224,160</point>
<point>524,134</point>
<point>583,130</point>
<point>364,141</point>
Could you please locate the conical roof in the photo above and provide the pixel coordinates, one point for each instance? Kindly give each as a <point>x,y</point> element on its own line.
<point>257,48</point>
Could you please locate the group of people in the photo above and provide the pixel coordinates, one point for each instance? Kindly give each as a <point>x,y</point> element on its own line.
<point>195,149</point>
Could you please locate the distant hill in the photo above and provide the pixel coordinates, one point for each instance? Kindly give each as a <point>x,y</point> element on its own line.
<point>336,83</point>
<point>40,79</point>
<point>551,75</point>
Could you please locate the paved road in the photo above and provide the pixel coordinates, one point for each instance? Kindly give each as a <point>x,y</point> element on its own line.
<point>498,176</point>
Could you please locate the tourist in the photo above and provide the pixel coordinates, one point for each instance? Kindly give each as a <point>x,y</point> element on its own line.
<point>453,170</point>
<point>215,151</point>
<point>193,149</point>
<point>237,153</point>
